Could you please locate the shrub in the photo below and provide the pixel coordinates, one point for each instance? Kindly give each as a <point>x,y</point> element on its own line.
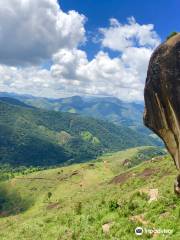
<point>132,205</point>
<point>49,195</point>
<point>113,205</point>
<point>11,201</point>
<point>78,208</point>
<point>171,35</point>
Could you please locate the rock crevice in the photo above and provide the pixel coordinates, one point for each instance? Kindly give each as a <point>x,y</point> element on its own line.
<point>162,95</point>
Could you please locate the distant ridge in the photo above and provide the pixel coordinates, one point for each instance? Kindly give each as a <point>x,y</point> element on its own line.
<point>15,102</point>
<point>106,108</point>
<point>32,136</point>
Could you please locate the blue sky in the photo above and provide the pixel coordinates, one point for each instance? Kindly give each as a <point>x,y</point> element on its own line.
<point>81,47</point>
<point>164,14</point>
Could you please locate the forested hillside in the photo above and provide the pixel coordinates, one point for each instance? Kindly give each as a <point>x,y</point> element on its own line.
<point>106,108</point>
<point>31,136</point>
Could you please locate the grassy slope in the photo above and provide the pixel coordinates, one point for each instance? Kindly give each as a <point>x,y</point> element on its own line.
<point>83,200</point>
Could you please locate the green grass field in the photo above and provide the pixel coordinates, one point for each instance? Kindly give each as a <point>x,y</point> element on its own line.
<point>101,199</point>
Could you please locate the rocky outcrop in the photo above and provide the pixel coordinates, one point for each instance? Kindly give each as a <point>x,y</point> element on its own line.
<point>162,95</point>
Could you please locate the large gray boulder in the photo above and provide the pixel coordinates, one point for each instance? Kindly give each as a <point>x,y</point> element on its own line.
<point>162,97</point>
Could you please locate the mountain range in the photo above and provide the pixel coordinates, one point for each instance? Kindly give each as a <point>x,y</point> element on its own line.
<point>37,137</point>
<point>129,114</point>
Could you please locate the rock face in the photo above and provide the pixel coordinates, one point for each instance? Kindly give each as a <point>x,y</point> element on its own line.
<point>162,95</point>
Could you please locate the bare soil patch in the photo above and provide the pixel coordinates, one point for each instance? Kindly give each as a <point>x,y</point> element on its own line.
<point>53,206</point>
<point>148,172</point>
<point>122,178</point>
<point>139,218</point>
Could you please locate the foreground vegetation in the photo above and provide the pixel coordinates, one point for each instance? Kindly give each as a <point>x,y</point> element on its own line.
<point>103,199</point>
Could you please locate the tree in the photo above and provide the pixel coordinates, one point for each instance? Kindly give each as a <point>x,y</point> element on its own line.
<point>49,195</point>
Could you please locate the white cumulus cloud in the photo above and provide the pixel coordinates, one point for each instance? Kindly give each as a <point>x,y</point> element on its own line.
<point>32,30</point>
<point>121,36</point>
<point>71,72</point>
